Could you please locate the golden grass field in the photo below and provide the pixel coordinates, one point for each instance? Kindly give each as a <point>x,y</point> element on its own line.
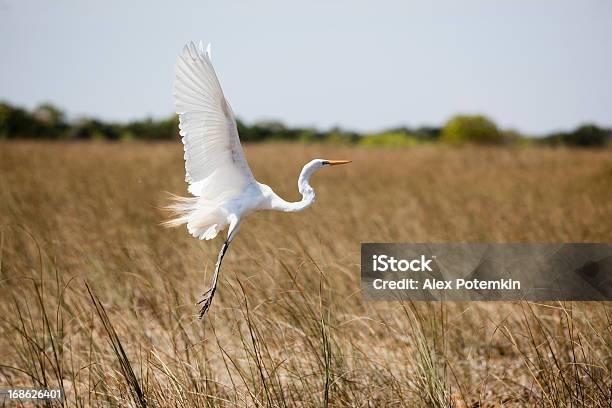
<point>288,326</point>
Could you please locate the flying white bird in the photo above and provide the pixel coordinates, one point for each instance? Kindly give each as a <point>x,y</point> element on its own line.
<point>219,177</point>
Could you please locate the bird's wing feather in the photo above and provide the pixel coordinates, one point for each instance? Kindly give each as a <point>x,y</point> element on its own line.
<point>214,161</point>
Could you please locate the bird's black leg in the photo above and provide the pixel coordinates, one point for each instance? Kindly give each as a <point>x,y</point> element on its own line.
<point>207,297</point>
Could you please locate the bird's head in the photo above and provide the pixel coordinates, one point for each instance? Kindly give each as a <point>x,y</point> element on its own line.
<point>316,164</point>
<point>313,166</point>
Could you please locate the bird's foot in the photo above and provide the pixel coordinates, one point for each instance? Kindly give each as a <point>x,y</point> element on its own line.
<point>206,301</point>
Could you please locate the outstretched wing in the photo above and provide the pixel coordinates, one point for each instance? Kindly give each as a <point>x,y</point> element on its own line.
<point>214,161</point>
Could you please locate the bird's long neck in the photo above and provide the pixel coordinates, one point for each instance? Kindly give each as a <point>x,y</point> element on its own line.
<point>308,194</point>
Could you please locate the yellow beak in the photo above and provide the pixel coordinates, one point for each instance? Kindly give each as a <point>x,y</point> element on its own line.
<point>337,162</point>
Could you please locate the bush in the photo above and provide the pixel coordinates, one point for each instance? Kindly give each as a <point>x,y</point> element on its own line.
<point>341,137</point>
<point>585,136</point>
<point>390,139</point>
<point>476,129</point>
<point>45,122</point>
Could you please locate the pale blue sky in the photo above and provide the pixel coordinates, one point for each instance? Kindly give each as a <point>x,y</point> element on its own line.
<point>535,66</point>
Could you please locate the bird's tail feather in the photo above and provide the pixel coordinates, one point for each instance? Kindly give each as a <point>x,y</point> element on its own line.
<point>204,221</point>
<point>179,208</point>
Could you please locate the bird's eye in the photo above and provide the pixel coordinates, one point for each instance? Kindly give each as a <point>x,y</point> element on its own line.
<point>324,162</point>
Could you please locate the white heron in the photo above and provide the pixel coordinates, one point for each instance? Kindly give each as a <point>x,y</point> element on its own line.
<point>219,177</point>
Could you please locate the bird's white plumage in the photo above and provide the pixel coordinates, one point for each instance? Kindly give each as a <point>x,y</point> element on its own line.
<point>217,172</point>
<point>215,166</point>
<point>214,161</point>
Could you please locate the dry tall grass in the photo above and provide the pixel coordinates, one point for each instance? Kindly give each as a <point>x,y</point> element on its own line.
<point>288,326</point>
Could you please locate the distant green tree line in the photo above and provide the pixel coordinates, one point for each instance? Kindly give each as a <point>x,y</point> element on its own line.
<point>49,122</point>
